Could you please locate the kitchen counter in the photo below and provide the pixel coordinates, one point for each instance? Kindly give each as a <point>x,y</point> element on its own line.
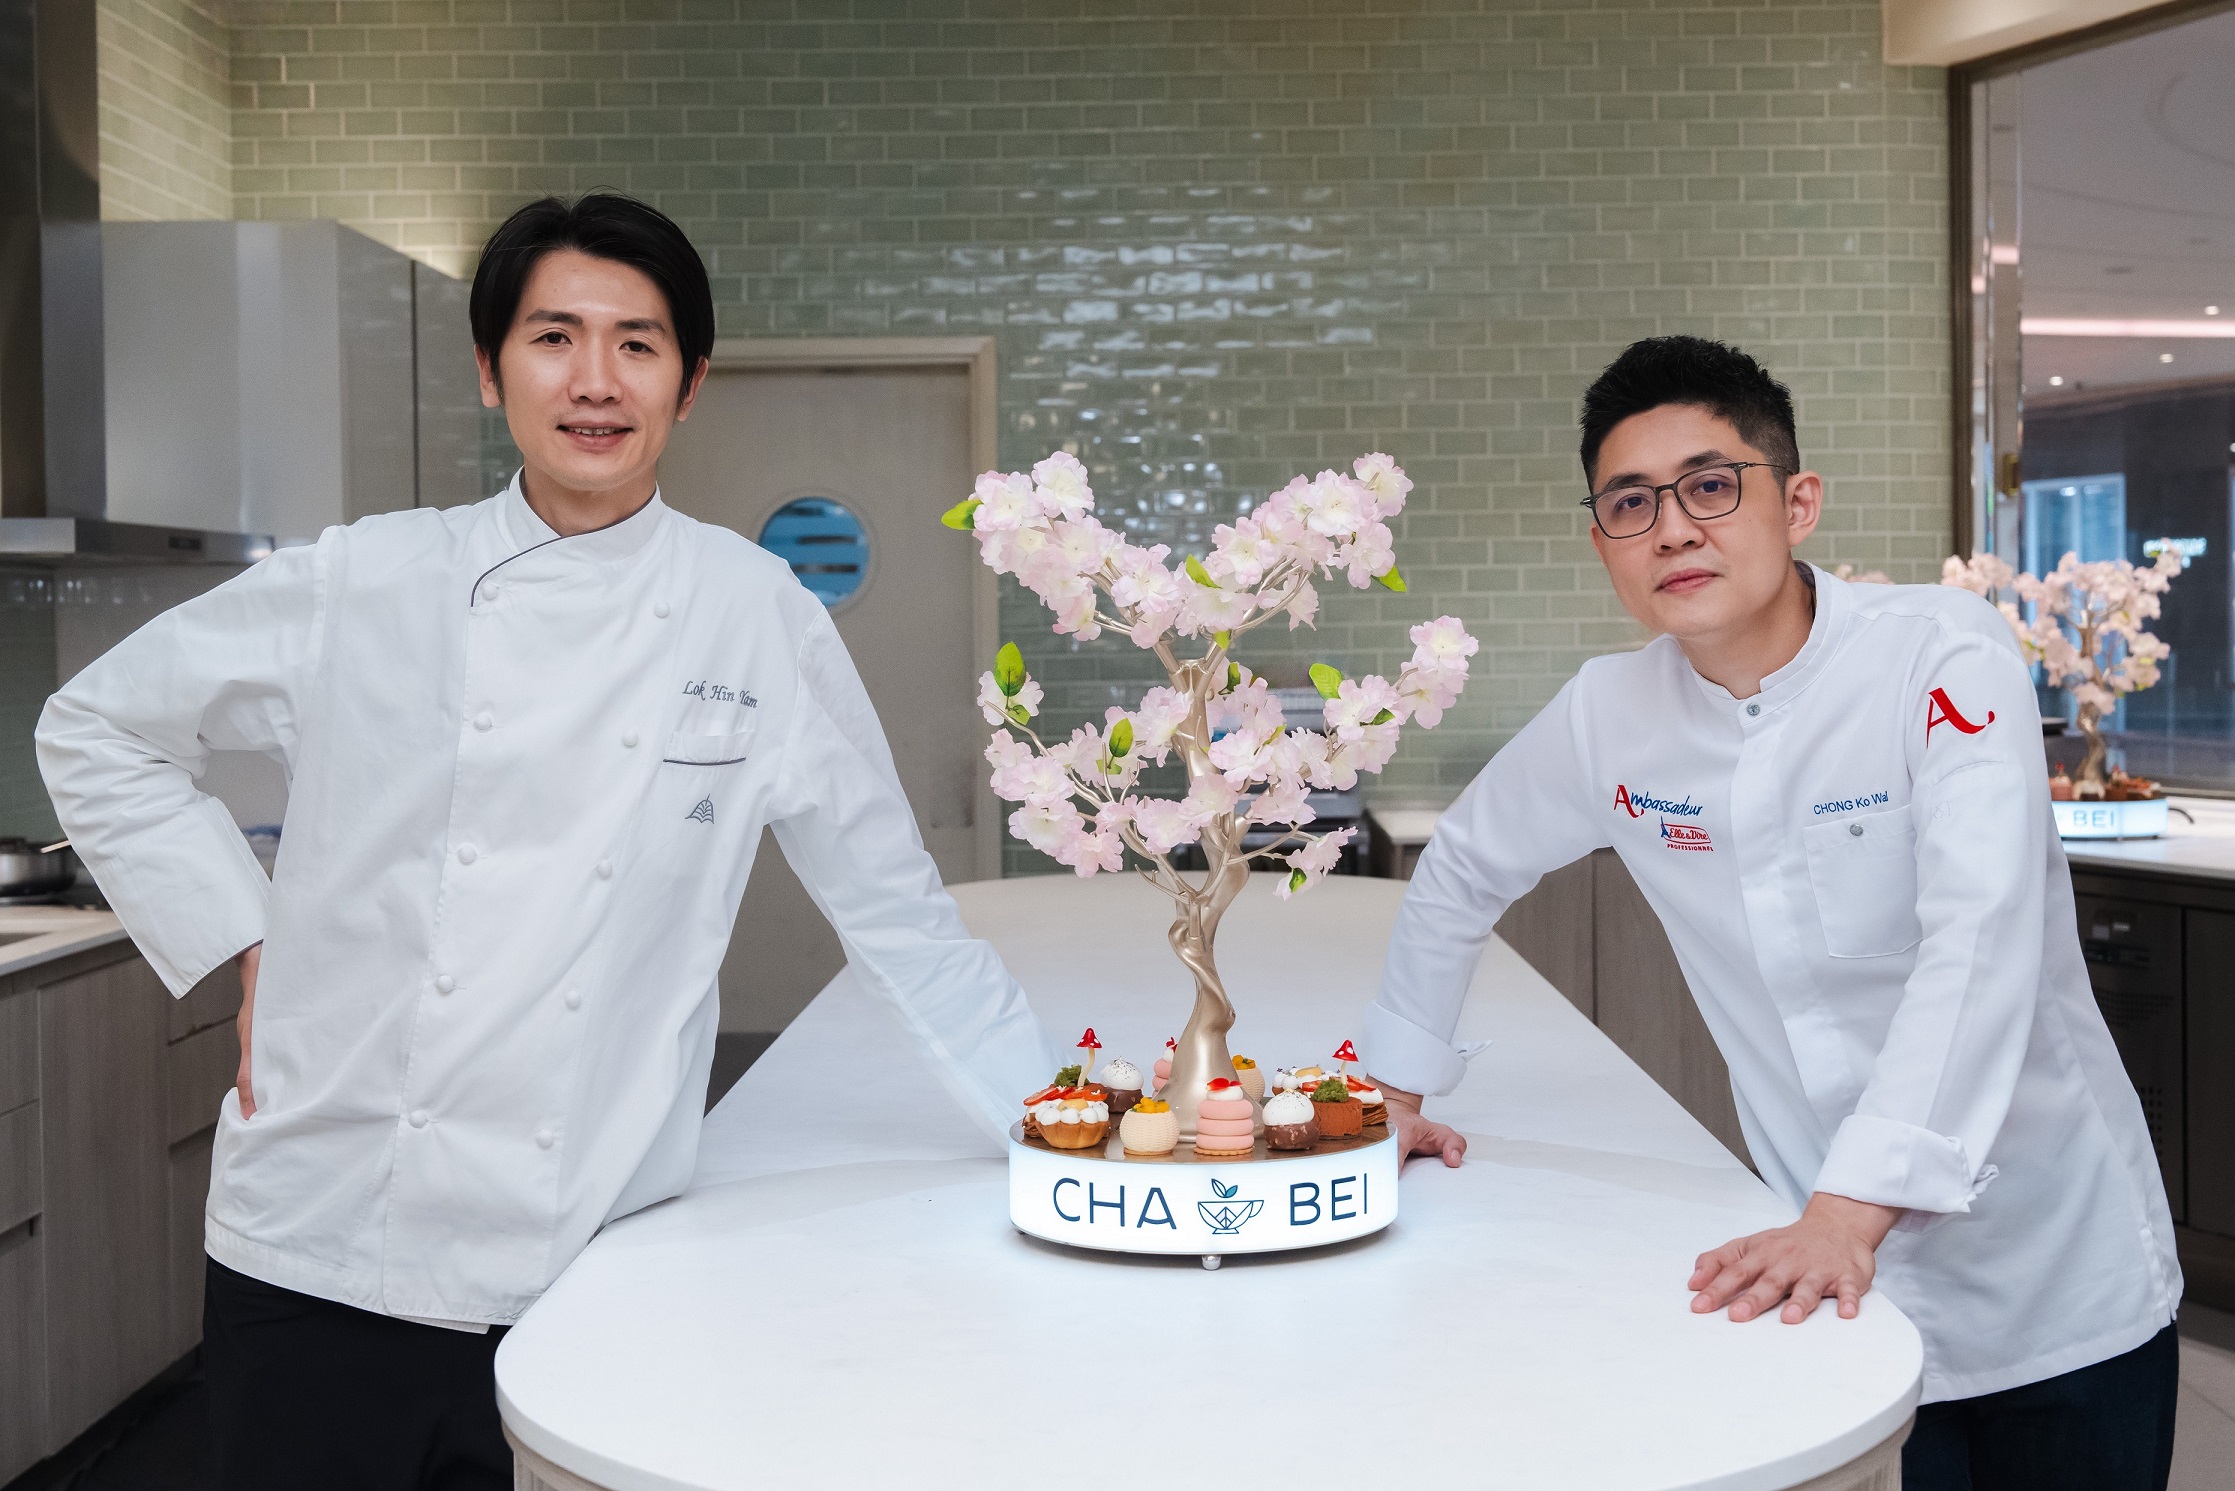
<point>2202,849</point>
<point>839,1298</point>
<point>31,935</point>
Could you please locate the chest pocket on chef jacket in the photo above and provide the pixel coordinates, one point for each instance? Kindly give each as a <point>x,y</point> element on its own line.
<point>1865,883</point>
<point>694,749</point>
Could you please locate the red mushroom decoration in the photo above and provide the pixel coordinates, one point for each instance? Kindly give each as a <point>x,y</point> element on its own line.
<point>1345,1054</point>
<point>1089,1044</point>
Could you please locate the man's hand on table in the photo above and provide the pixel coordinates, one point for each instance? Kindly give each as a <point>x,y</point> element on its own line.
<point>1832,1251</point>
<point>249,959</point>
<point>1415,1134</point>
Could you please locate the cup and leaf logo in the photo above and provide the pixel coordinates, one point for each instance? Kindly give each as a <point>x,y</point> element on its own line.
<point>1226,1215</point>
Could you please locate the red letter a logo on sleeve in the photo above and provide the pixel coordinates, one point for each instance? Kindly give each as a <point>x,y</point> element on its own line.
<point>1940,710</point>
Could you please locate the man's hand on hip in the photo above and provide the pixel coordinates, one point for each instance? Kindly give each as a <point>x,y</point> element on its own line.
<point>1831,1251</point>
<point>248,960</point>
<point>1415,1134</point>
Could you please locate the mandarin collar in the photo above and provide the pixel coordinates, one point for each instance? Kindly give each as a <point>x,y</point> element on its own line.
<point>524,530</point>
<point>1834,604</point>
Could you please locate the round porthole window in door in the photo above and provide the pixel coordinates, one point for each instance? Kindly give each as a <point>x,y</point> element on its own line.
<point>825,545</point>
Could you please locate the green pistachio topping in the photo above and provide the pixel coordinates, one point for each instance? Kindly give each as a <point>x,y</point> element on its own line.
<point>1331,1091</point>
<point>1069,1076</point>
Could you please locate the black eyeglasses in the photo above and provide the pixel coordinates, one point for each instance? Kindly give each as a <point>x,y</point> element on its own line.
<point>1710,492</point>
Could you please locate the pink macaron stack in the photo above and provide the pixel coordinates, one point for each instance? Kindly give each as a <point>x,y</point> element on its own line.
<point>1225,1120</point>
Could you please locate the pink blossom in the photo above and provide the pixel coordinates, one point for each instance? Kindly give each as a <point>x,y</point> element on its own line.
<point>1161,714</point>
<point>1371,554</point>
<point>1314,861</point>
<point>1211,608</point>
<point>1243,554</point>
<point>1303,608</point>
<point>1335,505</point>
<point>1062,484</point>
<point>1164,824</point>
<point>1085,544</point>
<point>1283,802</point>
<point>1444,640</point>
<point>1039,782</point>
<point>1381,476</point>
<point>995,705</point>
<point>1047,828</point>
<point>1424,692</point>
<point>1086,852</point>
<point>1005,502</point>
<point>1357,703</point>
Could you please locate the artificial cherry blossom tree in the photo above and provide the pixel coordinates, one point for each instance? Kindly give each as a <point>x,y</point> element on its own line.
<point>1247,772</point>
<point>2085,630</point>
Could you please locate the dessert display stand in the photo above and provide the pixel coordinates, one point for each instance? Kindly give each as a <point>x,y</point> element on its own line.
<point>1267,1201</point>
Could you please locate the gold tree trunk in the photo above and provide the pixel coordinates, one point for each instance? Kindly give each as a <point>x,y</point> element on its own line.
<point>2091,780</point>
<point>1201,1054</point>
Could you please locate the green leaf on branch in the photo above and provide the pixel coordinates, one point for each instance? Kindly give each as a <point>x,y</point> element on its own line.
<point>1121,738</point>
<point>1008,669</point>
<point>963,516</point>
<point>1383,718</point>
<point>1223,639</point>
<point>1020,714</point>
<point>1198,574</point>
<point>1297,880</point>
<point>1328,680</point>
<point>1233,677</point>
<point>1394,580</point>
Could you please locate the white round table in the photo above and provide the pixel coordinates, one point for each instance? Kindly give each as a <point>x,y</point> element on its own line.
<point>839,1299</point>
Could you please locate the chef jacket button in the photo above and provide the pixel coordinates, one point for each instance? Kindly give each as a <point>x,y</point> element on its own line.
<point>544,1138</point>
<point>1855,829</point>
<point>605,869</point>
<point>574,999</point>
<point>466,855</point>
<point>659,609</point>
<point>488,593</point>
<point>629,740</point>
<point>419,1118</point>
<point>1753,709</point>
<point>445,984</point>
<point>484,721</point>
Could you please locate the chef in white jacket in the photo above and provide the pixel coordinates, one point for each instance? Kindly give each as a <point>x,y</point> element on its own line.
<point>1835,799</point>
<point>531,746</point>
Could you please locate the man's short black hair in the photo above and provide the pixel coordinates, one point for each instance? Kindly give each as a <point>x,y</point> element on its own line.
<point>1691,370</point>
<point>605,225</point>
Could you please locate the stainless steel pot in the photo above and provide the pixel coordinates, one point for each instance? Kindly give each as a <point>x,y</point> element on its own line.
<point>26,870</point>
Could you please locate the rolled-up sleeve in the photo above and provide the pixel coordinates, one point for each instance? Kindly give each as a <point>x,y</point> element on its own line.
<point>846,828</point>
<point>1942,1083</point>
<point>123,744</point>
<point>1522,816</point>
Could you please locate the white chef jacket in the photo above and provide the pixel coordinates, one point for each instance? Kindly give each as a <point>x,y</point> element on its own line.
<point>528,775</point>
<point>1859,873</point>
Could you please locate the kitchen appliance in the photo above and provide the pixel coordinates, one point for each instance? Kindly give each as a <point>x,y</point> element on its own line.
<point>2133,952</point>
<point>30,874</point>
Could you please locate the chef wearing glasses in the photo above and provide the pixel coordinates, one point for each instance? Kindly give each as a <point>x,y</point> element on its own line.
<point>1834,797</point>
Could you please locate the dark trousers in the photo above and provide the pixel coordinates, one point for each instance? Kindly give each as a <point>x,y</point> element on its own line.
<point>2108,1427</point>
<point>304,1392</point>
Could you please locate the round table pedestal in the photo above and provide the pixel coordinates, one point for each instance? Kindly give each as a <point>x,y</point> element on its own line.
<point>1877,1470</point>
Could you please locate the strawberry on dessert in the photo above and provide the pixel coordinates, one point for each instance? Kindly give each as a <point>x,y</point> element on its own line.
<point>1073,1119</point>
<point>1226,1120</point>
<point>1369,1098</point>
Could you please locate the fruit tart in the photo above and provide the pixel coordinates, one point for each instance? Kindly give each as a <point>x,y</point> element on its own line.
<point>1065,1079</point>
<point>1073,1119</point>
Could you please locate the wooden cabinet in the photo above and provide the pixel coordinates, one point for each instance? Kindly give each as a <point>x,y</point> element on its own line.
<point>109,1093</point>
<point>2210,1070</point>
<point>1588,929</point>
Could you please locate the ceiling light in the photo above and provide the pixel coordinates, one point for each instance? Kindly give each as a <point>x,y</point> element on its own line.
<point>2095,326</point>
<point>2056,383</point>
<point>2164,357</point>
<point>2211,310</point>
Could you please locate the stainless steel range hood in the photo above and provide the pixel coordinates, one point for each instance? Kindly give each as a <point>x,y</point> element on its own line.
<point>53,418</point>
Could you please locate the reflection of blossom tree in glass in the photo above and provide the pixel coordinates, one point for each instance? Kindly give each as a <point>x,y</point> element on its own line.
<point>1245,770</point>
<point>2085,631</point>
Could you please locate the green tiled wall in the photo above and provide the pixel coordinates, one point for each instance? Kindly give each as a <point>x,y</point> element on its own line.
<point>166,111</point>
<point>1222,241</point>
